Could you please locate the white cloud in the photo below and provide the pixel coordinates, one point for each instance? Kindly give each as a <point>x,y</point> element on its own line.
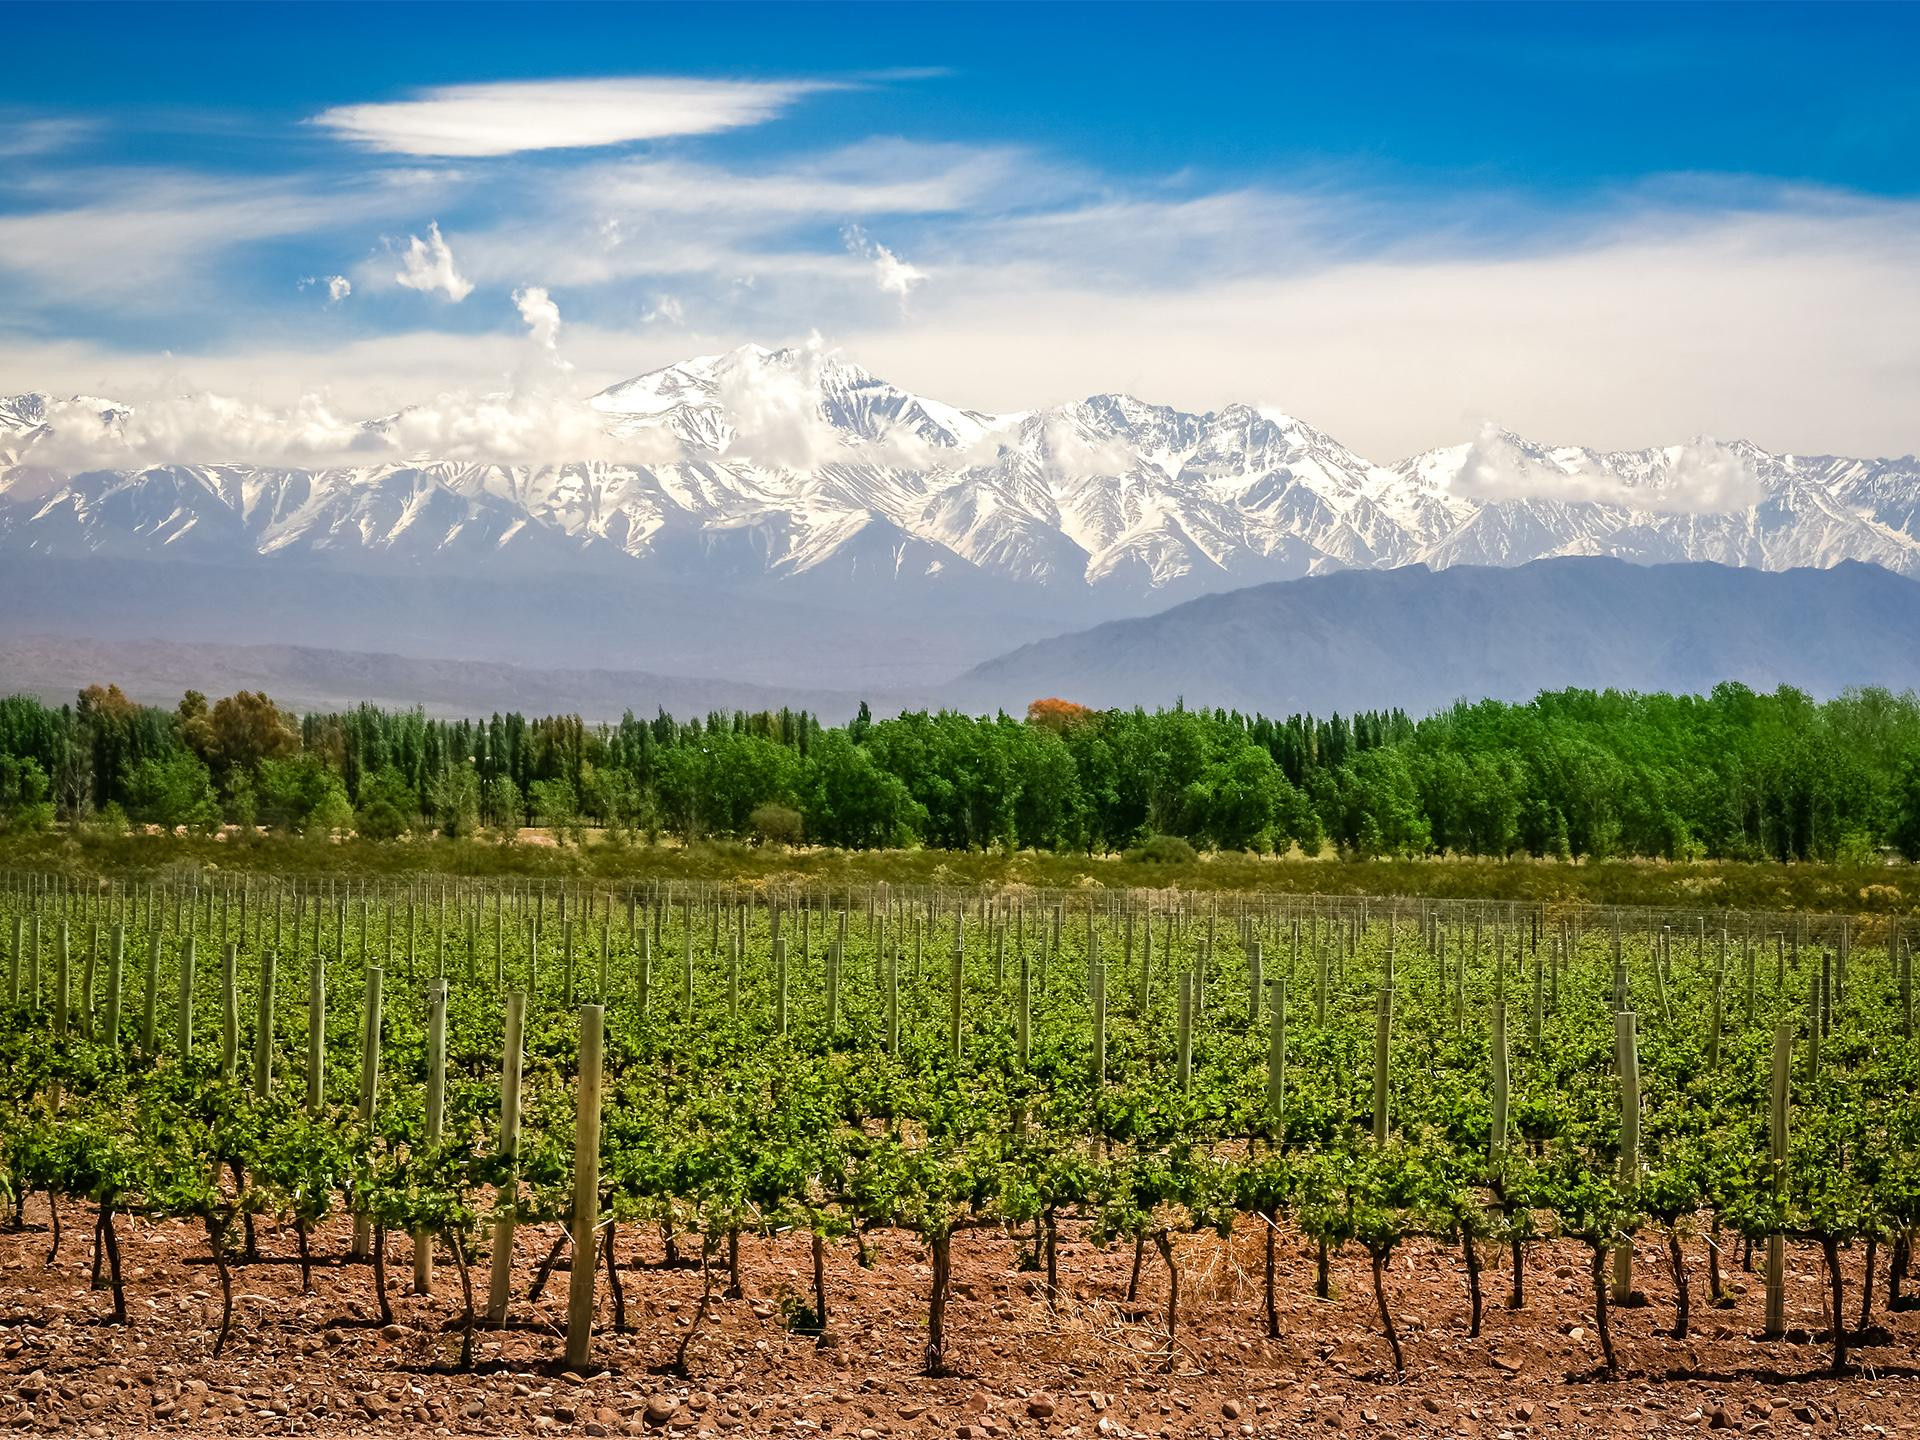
<point>892,274</point>
<point>537,423</point>
<point>338,287</point>
<point>513,116</point>
<point>25,135</point>
<point>1701,477</point>
<point>667,308</point>
<point>427,266</point>
<point>158,241</point>
<point>541,315</point>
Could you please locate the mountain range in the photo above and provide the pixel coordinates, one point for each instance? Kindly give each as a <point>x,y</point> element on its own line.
<point>871,532</point>
<point>1414,638</point>
<point>1420,639</point>
<point>796,463</point>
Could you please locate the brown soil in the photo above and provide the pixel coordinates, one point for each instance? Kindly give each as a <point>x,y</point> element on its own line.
<point>1087,1366</point>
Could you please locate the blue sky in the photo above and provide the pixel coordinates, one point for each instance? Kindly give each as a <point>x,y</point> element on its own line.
<point>1618,224</point>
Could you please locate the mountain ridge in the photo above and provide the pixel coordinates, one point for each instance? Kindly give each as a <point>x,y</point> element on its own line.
<point>1420,639</point>
<point>797,469</point>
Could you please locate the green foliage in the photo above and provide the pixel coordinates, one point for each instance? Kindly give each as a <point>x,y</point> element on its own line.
<point>386,806</point>
<point>173,792</point>
<point>1163,850</point>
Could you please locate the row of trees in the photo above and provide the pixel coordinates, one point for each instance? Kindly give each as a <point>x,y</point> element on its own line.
<point>1734,774</point>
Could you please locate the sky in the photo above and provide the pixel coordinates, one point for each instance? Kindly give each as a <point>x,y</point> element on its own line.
<point>1614,225</point>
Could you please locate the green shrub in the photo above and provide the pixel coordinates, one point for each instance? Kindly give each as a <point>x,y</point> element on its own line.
<point>1163,850</point>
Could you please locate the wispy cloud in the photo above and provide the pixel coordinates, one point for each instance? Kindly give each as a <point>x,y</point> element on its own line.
<point>541,315</point>
<point>22,136</point>
<point>338,287</point>
<point>515,116</point>
<point>893,275</point>
<point>141,239</point>
<point>427,266</point>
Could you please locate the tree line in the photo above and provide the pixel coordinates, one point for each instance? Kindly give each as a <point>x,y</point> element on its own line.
<point>1735,774</point>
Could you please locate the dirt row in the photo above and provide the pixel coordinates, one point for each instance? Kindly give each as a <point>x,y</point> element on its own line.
<point>1086,1364</point>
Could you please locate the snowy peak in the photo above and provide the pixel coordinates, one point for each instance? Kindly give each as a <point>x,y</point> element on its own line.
<point>796,466</point>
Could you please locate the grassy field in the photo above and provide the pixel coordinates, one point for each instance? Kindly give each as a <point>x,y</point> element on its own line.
<point>1875,889</point>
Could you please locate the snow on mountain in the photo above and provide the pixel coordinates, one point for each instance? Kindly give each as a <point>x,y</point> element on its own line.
<point>776,466</point>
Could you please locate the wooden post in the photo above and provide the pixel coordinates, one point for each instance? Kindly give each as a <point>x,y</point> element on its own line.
<point>1183,1034</point>
<point>1382,1049</point>
<point>1277,1051</point>
<point>1502,1079</point>
<point>644,980</point>
<point>369,1084</point>
<point>116,975</point>
<point>780,985</point>
<point>1627,1058</point>
<point>956,1001</point>
<point>511,1055</point>
<point>229,1011</point>
<point>1717,1022</point>
<point>834,957</point>
<point>893,999</point>
<point>1099,987</point>
<point>150,1010</point>
<point>13,959</point>
<point>1254,983</point>
<point>186,999</point>
<point>60,981</point>
<point>263,1030</point>
<point>316,1033</point>
<point>85,1015</point>
<point>1777,1098</point>
<point>1814,1008</point>
<point>1023,1013</point>
<point>436,1119</point>
<point>1906,990</point>
<point>586,1191</point>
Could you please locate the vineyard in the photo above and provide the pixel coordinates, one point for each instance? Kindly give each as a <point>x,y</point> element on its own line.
<point>403,1086</point>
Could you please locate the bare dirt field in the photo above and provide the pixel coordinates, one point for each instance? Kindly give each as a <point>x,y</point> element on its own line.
<point>1089,1365</point>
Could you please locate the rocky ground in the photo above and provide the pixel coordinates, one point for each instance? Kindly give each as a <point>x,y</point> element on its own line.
<point>1090,1365</point>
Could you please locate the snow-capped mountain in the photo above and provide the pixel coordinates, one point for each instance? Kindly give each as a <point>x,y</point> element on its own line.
<point>798,467</point>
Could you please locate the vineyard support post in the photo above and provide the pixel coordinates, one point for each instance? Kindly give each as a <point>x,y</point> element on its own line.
<point>1502,1078</point>
<point>1382,1047</point>
<point>116,977</point>
<point>186,999</point>
<point>835,956</point>
<point>780,985</point>
<point>229,1010</point>
<point>316,1033</point>
<point>60,981</point>
<point>263,1029</point>
<point>1023,1015</point>
<point>1254,982</point>
<point>1277,1050</point>
<point>436,1119</point>
<point>369,1084</point>
<point>501,1280</point>
<point>1183,1035</point>
<point>1098,982</point>
<point>893,999</point>
<point>586,1190</point>
<point>956,1000</point>
<point>1627,1057</point>
<point>150,1008</point>
<point>644,981</point>
<point>1777,1099</point>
